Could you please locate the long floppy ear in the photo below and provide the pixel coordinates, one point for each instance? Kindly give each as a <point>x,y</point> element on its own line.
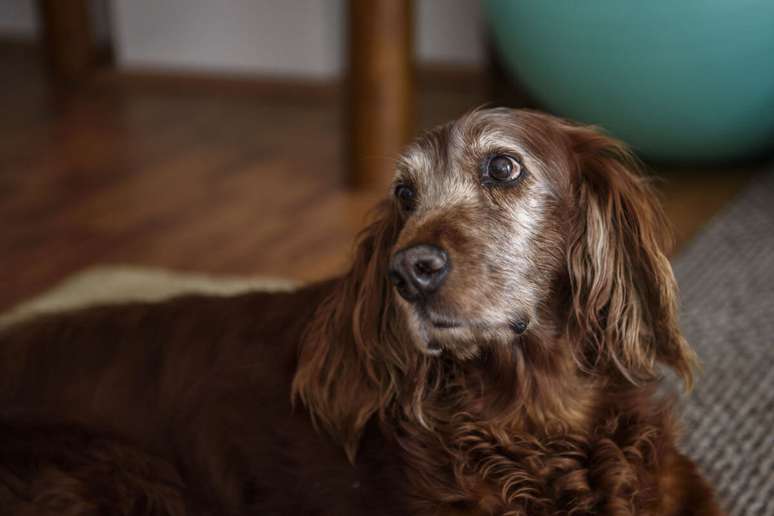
<point>624,294</point>
<point>343,376</point>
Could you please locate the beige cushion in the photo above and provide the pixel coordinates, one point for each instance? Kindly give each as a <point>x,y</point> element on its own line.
<point>119,283</point>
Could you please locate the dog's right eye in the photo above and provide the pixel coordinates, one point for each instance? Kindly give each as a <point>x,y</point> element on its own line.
<point>405,196</point>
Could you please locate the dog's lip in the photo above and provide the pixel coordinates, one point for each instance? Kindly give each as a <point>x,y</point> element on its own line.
<point>444,324</point>
<point>438,321</point>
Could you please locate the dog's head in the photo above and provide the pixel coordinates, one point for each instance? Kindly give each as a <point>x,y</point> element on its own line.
<point>508,228</point>
<point>515,223</point>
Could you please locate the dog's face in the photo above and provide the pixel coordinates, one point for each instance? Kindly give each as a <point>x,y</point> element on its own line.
<point>481,245</point>
<point>515,222</point>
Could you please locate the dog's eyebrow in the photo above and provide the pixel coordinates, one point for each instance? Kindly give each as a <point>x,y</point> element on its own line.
<point>414,158</point>
<point>495,140</point>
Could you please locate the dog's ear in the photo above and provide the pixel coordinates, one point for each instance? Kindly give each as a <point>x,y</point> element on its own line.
<point>338,378</point>
<point>624,294</point>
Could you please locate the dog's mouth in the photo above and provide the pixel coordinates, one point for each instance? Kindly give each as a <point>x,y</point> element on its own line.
<point>438,321</point>
<point>444,324</point>
<point>432,329</point>
<point>433,346</point>
<point>440,332</point>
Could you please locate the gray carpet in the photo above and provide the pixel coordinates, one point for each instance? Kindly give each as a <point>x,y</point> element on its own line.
<point>726,277</point>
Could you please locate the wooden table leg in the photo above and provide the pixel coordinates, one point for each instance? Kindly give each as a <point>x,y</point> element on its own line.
<point>381,88</point>
<point>68,37</point>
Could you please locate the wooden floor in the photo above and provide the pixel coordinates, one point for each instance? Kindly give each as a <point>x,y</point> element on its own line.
<point>213,176</point>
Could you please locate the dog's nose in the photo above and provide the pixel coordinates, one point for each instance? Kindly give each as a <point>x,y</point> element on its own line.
<point>418,271</point>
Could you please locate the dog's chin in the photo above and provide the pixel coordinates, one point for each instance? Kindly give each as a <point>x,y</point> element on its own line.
<point>459,342</point>
<point>435,335</point>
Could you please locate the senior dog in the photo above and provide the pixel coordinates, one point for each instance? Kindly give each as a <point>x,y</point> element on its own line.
<point>494,349</point>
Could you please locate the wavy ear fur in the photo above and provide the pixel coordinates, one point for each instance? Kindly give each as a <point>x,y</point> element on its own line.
<point>344,373</point>
<point>624,294</point>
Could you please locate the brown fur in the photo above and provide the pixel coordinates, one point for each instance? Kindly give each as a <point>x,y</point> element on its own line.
<point>184,407</point>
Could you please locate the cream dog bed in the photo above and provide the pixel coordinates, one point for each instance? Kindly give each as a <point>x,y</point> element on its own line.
<point>121,283</point>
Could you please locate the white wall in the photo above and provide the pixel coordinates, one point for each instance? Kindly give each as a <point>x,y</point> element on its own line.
<point>18,18</point>
<point>287,37</point>
<point>281,37</point>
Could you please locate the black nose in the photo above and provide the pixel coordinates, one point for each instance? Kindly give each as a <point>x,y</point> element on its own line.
<point>418,271</point>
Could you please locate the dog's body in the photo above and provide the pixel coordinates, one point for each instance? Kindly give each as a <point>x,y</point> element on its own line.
<point>509,368</point>
<point>175,408</point>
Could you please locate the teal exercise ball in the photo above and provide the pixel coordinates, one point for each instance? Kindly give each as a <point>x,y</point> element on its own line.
<point>687,81</point>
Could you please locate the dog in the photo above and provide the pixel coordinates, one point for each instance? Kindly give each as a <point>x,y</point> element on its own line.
<point>496,348</point>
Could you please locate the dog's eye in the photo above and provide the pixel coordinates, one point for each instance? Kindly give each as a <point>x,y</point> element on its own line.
<point>405,195</point>
<point>503,169</point>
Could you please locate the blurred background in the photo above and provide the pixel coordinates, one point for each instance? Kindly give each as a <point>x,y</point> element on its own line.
<point>252,136</point>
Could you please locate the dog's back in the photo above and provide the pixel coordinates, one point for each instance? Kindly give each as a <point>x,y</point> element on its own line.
<point>171,408</point>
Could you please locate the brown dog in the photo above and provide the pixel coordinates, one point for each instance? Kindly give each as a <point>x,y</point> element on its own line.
<point>493,350</point>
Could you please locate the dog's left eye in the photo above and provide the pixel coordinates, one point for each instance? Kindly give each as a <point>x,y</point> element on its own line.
<point>405,195</point>
<point>503,169</point>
